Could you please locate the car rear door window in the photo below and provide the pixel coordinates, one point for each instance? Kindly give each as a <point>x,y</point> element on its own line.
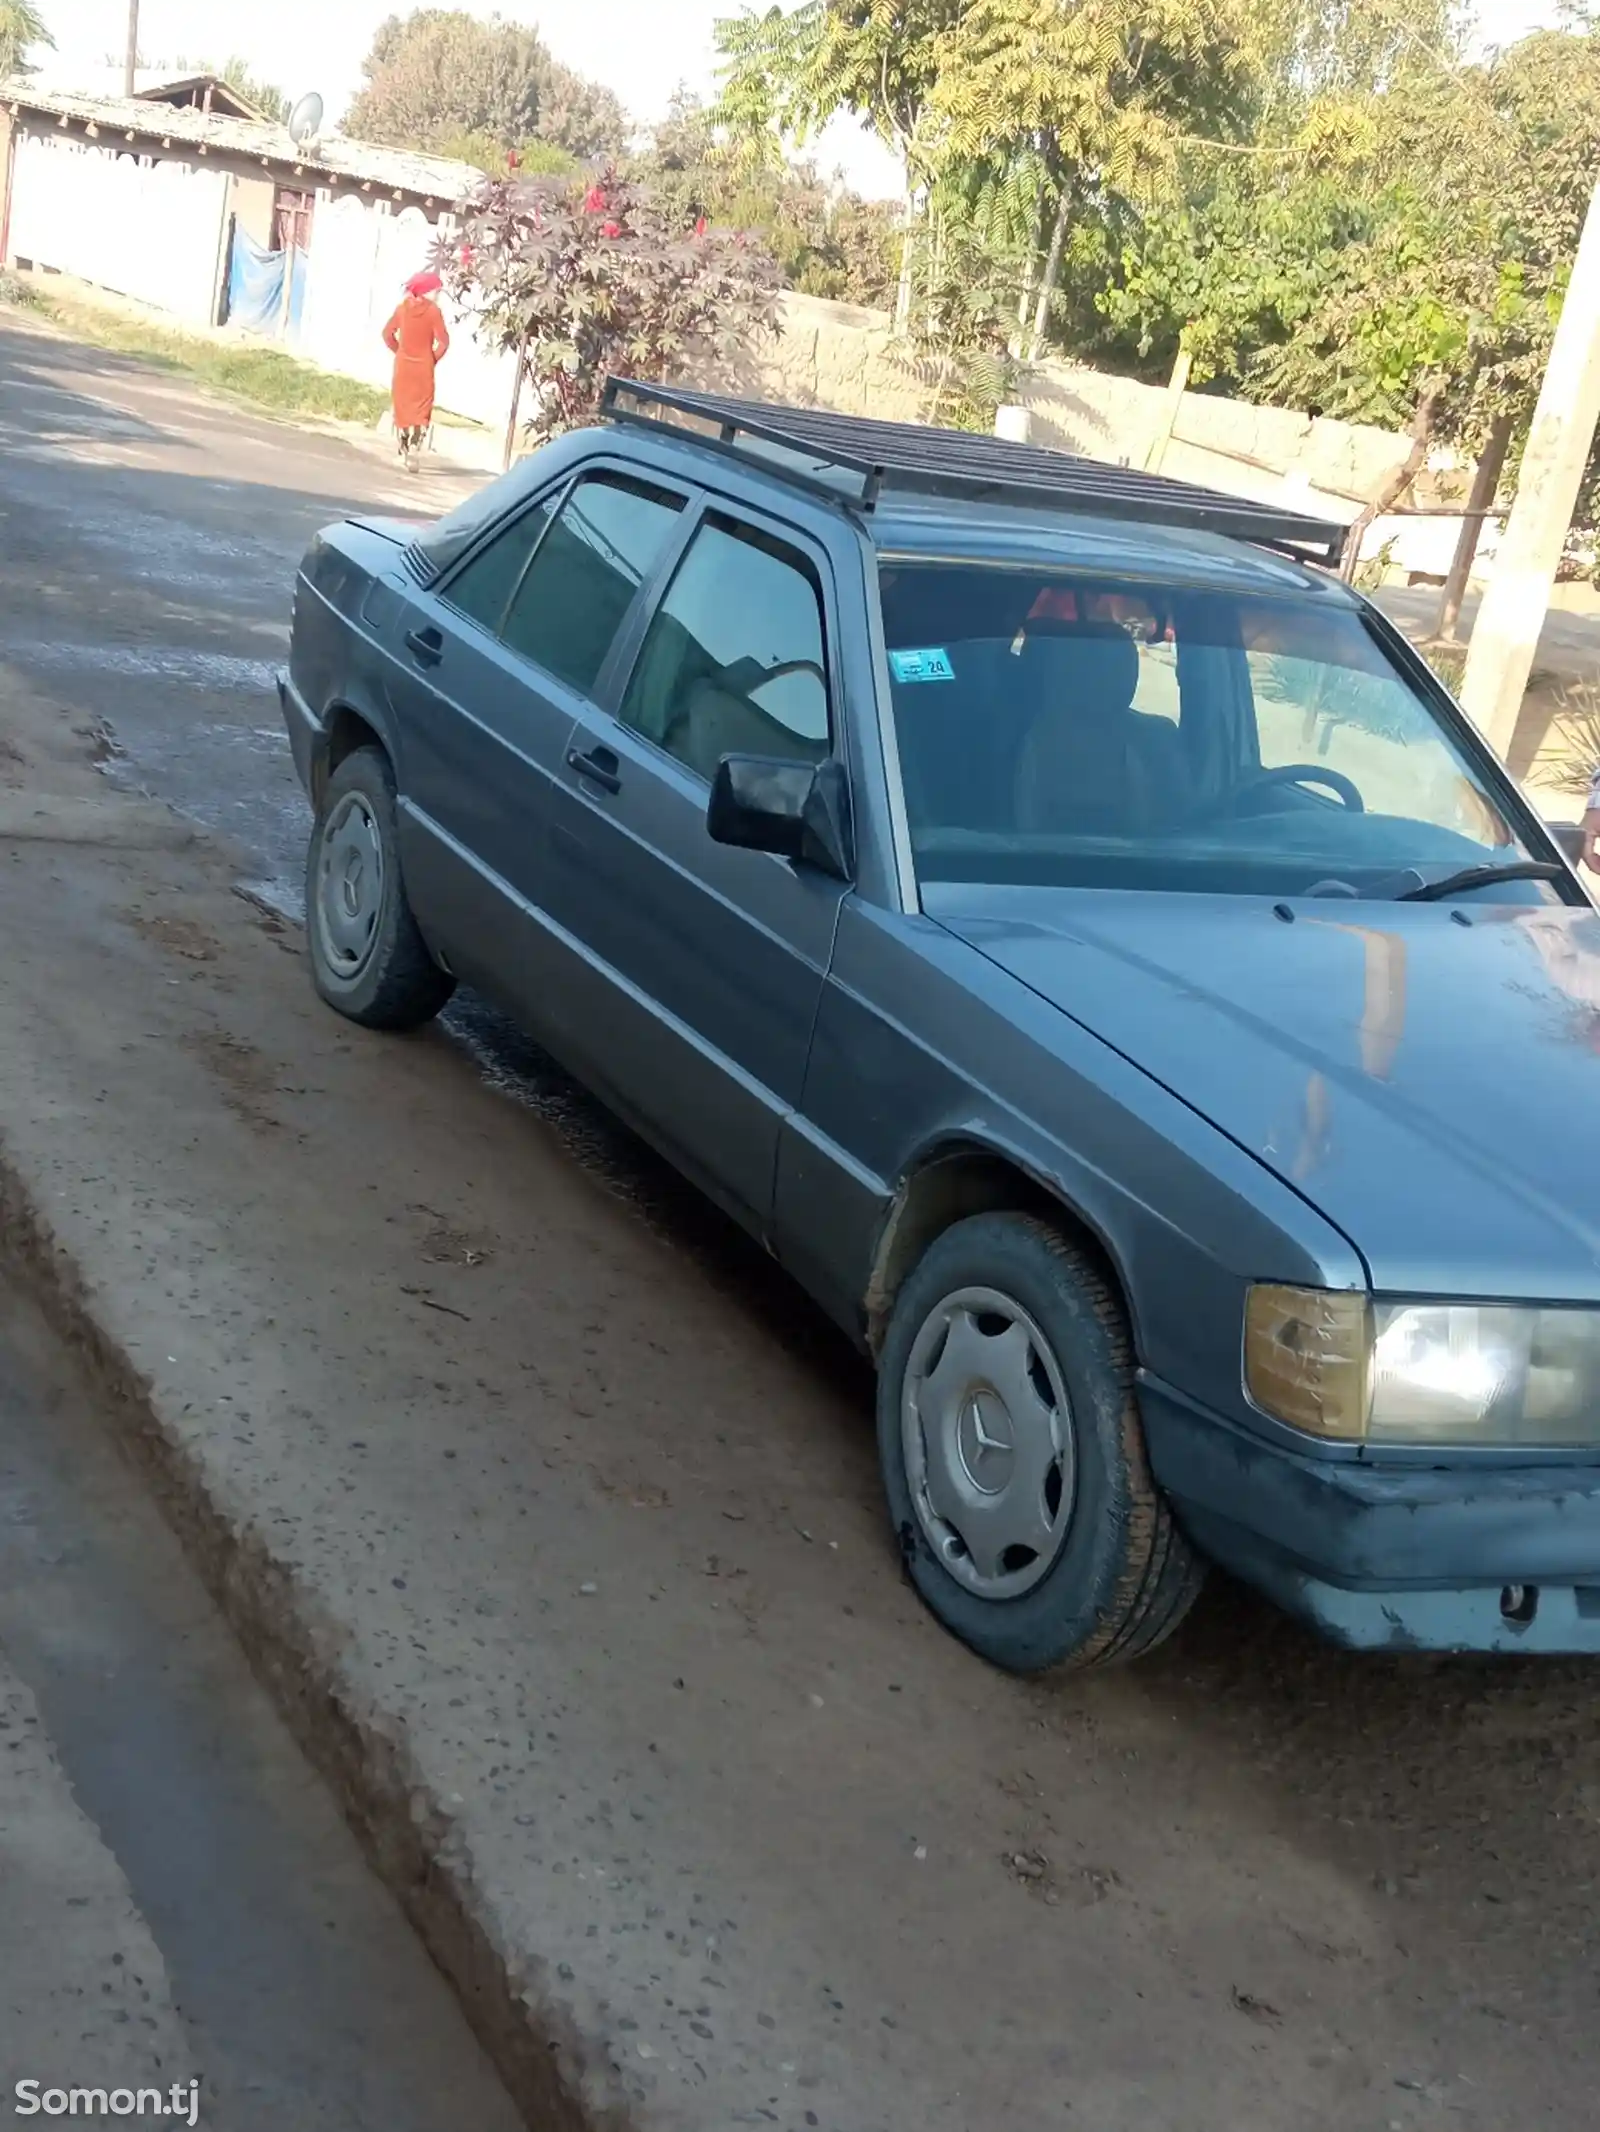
<point>735,661</point>
<point>603,545</point>
<point>483,590</point>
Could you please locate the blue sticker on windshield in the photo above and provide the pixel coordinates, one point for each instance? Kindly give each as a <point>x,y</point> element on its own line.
<point>930,665</point>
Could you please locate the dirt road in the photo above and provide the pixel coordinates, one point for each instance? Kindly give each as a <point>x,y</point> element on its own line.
<point>557,1528</point>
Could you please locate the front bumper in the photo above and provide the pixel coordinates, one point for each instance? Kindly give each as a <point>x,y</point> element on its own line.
<point>307,738</point>
<point>1472,1557</point>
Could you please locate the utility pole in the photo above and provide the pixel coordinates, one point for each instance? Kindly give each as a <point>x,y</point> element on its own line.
<point>130,71</point>
<point>1506,635</point>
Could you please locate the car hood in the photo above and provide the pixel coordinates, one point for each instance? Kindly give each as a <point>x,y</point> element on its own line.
<point>1431,1085</point>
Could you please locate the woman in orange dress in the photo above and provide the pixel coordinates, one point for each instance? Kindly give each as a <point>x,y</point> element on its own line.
<point>418,339</point>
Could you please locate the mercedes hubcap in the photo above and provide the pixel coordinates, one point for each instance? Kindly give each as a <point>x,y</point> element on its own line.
<point>350,880</point>
<point>987,1433</point>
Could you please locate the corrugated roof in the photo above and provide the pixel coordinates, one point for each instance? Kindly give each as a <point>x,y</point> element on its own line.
<point>148,83</point>
<point>430,177</point>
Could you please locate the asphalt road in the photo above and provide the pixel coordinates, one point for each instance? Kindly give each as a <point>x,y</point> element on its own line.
<point>147,542</point>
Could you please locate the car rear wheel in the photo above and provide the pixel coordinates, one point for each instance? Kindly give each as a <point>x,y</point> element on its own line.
<point>368,958</point>
<point>1014,1458</point>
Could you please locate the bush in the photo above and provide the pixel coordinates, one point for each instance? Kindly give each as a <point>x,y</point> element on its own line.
<point>595,278</point>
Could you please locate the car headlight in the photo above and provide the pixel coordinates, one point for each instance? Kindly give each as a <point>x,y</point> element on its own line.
<point>1354,1369</point>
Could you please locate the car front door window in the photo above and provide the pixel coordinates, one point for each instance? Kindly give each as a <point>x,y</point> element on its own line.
<point>735,659</point>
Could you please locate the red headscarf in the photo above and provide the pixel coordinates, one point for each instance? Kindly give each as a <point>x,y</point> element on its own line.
<point>424,284</point>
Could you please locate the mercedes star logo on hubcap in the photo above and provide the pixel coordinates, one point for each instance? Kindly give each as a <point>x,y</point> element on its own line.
<point>984,1439</point>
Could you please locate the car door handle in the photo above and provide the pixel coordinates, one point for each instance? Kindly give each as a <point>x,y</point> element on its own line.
<point>425,645</point>
<point>599,766</point>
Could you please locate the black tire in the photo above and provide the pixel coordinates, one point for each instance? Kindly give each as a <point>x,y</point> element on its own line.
<point>1124,1576</point>
<point>394,983</point>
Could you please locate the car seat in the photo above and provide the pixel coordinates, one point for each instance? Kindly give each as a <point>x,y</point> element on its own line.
<point>1090,763</point>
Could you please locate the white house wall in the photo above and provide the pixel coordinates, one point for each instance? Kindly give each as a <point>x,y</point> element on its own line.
<point>362,256</point>
<point>148,230</point>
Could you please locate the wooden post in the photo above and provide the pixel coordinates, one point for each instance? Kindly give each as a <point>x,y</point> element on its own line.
<point>516,406</point>
<point>1485,482</point>
<point>1167,422</point>
<point>130,70</point>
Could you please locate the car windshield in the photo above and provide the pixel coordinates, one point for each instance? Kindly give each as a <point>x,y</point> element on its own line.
<point>1070,732</point>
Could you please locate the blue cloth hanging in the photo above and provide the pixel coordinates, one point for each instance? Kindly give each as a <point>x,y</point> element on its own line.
<point>255,285</point>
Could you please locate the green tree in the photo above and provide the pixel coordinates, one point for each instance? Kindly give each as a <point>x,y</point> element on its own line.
<point>789,71</point>
<point>826,241</point>
<point>271,101</point>
<point>1009,116</point>
<point>1472,187</point>
<point>22,29</point>
<point>531,159</point>
<point>1343,48</point>
<point>439,74</point>
<point>1093,97</point>
<point>1398,257</point>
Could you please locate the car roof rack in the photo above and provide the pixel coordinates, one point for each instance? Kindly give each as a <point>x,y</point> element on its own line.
<point>917,459</point>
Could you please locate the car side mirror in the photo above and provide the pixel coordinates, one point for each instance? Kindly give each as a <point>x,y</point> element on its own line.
<point>799,810</point>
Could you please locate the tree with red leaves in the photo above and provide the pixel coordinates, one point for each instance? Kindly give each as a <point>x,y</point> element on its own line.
<point>591,278</point>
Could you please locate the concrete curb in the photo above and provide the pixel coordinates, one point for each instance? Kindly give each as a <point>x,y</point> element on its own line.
<point>406,1832</point>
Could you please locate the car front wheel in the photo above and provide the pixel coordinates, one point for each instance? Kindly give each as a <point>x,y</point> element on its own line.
<point>368,958</point>
<point>1013,1454</point>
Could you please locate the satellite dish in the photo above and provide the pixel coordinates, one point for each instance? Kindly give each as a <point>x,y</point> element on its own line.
<point>305,120</point>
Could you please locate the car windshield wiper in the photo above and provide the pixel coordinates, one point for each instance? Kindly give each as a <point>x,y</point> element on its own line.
<point>1470,877</point>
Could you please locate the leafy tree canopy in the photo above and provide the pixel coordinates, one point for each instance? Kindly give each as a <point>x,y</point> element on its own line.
<point>439,75</point>
<point>22,30</point>
<point>825,240</point>
<point>1330,204</point>
<point>1416,237</point>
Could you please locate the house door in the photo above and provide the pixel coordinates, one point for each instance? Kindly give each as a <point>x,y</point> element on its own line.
<point>292,213</point>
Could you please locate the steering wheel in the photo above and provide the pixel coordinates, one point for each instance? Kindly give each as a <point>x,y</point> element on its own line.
<point>1293,773</point>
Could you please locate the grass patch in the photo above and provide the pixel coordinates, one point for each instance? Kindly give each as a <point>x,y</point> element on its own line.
<point>1571,750</point>
<point>1449,662</point>
<point>263,378</point>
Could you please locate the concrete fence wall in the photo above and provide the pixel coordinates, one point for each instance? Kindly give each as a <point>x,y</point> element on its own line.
<point>152,230</point>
